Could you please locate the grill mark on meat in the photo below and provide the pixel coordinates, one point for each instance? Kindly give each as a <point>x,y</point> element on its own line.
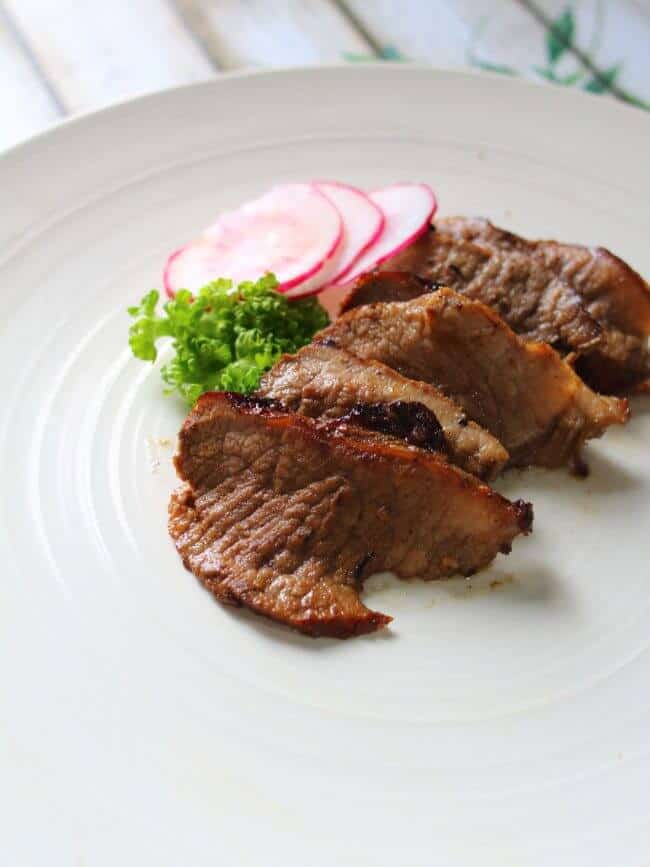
<point>328,383</point>
<point>524,515</point>
<point>361,564</point>
<point>586,302</point>
<point>523,393</point>
<point>285,515</point>
<point>412,422</point>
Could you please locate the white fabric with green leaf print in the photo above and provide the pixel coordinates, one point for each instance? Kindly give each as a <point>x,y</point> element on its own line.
<point>600,46</point>
<point>52,65</point>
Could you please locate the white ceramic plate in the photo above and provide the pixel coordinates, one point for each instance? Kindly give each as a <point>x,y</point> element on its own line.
<point>142,723</point>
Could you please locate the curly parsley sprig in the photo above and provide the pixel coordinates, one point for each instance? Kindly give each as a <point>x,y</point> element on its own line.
<point>225,337</point>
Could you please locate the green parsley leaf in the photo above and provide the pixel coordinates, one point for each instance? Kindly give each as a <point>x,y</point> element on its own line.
<point>226,337</point>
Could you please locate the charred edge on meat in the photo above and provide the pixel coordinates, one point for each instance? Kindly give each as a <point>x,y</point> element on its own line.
<point>409,421</point>
<point>361,564</point>
<point>429,285</point>
<point>579,466</point>
<point>524,515</point>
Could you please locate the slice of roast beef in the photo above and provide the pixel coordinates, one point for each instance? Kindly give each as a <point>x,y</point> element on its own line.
<point>324,382</point>
<point>386,285</point>
<point>586,302</point>
<point>523,393</point>
<point>288,515</point>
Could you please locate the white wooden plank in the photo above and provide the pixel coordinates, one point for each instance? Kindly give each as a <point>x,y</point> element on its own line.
<point>432,32</point>
<point>26,105</point>
<point>614,36</point>
<point>642,5</point>
<point>498,35</point>
<point>503,34</point>
<point>447,32</point>
<point>97,51</point>
<point>242,33</point>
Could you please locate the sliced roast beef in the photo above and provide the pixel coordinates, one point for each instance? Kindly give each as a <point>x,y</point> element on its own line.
<point>287,514</point>
<point>386,285</point>
<point>586,302</point>
<point>523,393</point>
<point>324,382</point>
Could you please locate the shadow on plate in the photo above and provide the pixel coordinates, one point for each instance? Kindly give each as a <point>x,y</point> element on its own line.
<point>533,584</point>
<point>606,476</point>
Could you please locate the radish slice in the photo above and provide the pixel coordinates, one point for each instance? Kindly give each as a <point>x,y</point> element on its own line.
<point>323,275</point>
<point>293,231</point>
<point>408,210</point>
<point>363,222</point>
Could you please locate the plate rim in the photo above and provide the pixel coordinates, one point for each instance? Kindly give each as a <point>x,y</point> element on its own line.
<point>454,72</point>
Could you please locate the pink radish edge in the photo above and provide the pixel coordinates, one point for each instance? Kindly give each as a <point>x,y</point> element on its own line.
<point>419,232</point>
<point>381,220</point>
<point>302,278</point>
<point>322,264</point>
<point>410,239</point>
<point>168,289</point>
<point>292,283</point>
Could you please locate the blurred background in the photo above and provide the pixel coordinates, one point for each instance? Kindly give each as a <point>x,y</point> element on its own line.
<point>60,57</point>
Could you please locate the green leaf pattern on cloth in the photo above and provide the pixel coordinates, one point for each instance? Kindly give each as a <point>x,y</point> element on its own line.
<point>601,83</point>
<point>559,48</point>
<point>560,36</point>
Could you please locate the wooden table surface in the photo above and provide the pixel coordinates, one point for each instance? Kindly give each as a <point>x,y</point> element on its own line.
<point>60,57</point>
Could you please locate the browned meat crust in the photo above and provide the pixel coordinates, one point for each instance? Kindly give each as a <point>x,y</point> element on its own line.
<point>387,285</point>
<point>403,420</point>
<point>288,515</point>
<point>325,382</point>
<point>585,302</point>
<point>521,392</point>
